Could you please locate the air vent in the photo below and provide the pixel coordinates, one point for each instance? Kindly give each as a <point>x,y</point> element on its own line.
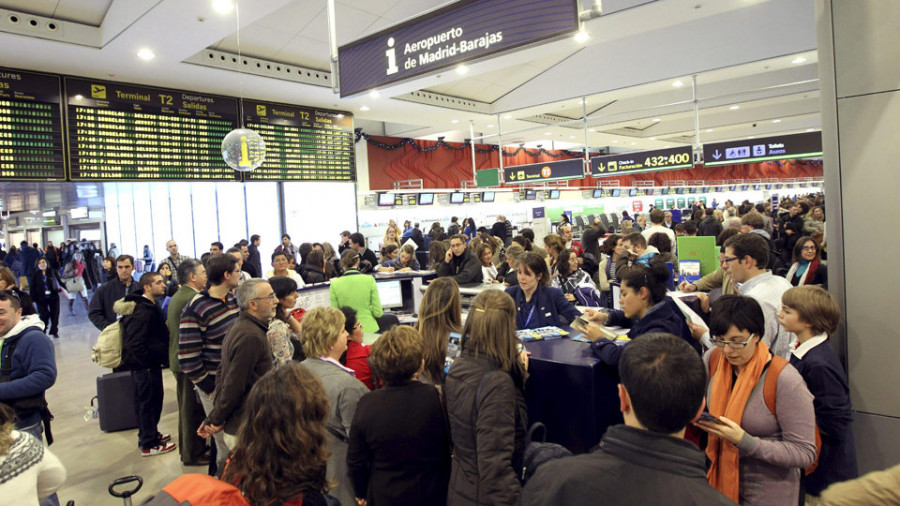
<point>446,101</point>
<point>30,24</point>
<point>266,68</point>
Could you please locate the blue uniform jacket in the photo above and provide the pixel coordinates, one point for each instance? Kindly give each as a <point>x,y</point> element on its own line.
<point>550,308</point>
<point>663,317</point>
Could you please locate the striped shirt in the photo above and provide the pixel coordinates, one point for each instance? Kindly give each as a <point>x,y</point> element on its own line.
<point>204,323</point>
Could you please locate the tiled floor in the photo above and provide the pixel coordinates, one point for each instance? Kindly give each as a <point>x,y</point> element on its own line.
<point>94,458</point>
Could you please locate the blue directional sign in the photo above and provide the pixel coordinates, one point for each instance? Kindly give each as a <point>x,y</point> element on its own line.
<point>782,147</point>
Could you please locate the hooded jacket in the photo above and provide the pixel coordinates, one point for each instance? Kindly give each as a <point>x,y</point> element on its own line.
<point>145,336</point>
<point>32,366</point>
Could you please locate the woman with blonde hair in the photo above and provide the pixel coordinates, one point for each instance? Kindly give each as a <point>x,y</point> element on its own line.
<point>439,324</point>
<point>485,393</point>
<point>406,261</point>
<point>281,456</point>
<point>324,341</point>
<point>391,236</point>
<point>554,245</point>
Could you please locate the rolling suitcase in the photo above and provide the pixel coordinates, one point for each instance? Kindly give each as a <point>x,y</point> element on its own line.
<point>115,400</point>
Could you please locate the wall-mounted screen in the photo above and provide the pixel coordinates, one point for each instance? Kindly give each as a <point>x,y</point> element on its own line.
<point>530,195</point>
<point>385,199</point>
<point>679,191</point>
<point>616,192</point>
<point>665,191</point>
<point>633,192</point>
<point>597,193</point>
<point>457,197</point>
<point>426,199</point>
<point>745,187</point>
<point>554,194</point>
<point>757,187</point>
<point>487,197</point>
<point>648,191</point>
<point>718,188</point>
<point>31,142</point>
<point>732,188</point>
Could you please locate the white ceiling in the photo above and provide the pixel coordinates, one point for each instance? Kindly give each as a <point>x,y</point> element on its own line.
<point>740,50</point>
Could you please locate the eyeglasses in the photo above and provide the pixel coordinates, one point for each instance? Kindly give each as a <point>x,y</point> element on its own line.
<point>357,326</point>
<point>735,345</point>
<point>725,260</point>
<point>271,296</point>
<point>808,248</point>
<point>11,293</point>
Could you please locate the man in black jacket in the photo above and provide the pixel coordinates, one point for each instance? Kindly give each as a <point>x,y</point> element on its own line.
<point>710,226</point>
<point>460,263</point>
<point>358,243</point>
<point>145,350</point>
<point>790,229</point>
<point>101,311</point>
<point>254,260</point>
<point>647,460</point>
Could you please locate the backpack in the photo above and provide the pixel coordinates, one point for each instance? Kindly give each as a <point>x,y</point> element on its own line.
<point>770,391</point>
<point>539,452</point>
<point>198,490</point>
<point>108,350</point>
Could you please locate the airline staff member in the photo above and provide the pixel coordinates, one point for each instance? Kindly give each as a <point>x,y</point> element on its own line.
<point>537,304</point>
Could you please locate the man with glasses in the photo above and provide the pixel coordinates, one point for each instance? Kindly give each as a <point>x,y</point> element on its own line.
<point>246,356</point>
<point>174,259</point>
<point>101,312</point>
<point>204,323</point>
<point>460,263</point>
<point>745,260</point>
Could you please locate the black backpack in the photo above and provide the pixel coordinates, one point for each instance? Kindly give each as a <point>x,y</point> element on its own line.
<point>539,452</point>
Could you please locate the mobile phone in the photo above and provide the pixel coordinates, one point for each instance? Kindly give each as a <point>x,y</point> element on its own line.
<point>706,417</point>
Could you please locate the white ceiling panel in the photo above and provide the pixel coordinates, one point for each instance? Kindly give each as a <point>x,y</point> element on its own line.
<point>89,12</point>
<point>305,52</point>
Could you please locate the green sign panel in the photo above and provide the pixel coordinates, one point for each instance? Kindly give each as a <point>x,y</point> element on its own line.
<point>487,177</point>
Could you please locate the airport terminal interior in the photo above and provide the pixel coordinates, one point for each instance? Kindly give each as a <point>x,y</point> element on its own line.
<point>128,124</point>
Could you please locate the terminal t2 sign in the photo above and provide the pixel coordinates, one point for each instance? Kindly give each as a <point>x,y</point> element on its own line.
<point>461,31</point>
<point>642,161</point>
<point>540,172</point>
<point>782,147</point>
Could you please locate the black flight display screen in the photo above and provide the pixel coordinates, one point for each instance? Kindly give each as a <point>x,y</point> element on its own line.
<point>31,142</point>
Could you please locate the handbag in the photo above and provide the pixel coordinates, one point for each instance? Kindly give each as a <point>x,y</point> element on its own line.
<point>539,452</point>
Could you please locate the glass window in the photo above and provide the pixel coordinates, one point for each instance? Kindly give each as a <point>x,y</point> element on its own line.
<point>126,220</point>
<point>264,218</point>
<point>162,220</point>
<point>182,219</point>
<point>206,220</point>
<point>319,211</point>
<point>143,218</point>
<point>111,201</point>
<point>232,213</point>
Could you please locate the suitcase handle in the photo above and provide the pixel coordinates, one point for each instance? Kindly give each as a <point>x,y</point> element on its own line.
<point>123,481</point>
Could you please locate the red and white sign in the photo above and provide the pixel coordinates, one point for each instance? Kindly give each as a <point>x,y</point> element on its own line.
<point>637,206</point>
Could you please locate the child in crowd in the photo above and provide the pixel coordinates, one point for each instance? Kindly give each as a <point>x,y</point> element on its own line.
<point>811,313</point>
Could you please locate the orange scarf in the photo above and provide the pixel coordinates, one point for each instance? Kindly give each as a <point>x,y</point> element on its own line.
<point>724,473</point>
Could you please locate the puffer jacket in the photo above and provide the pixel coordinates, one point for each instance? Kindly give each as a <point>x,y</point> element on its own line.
<point>145,335</point>
<point>488,440</point>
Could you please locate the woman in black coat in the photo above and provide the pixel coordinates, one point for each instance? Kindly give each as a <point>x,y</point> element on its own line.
<point>399,452</point>
<point>486,405</point>
<point>44,284</point>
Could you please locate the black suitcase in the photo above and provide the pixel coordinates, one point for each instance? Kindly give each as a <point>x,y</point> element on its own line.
<point>115,400</point>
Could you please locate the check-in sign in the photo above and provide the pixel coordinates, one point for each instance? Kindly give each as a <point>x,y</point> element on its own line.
<point>462,31</point>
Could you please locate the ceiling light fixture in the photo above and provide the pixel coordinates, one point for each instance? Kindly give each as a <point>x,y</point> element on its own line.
<point>652,138</point>
<point>146,54</point>
<point>454,121</point>
<point>798,60</point>
<point>615,141</point>
<point>776,121</point>
<point>752,137</point>
<point>79,97</point>
<point>462,70</point>
<point>489,126</point>
<point>735,107</point>
<point>678,84</point>
<point>581,36</point>
<point>656,120</point>
<point>633,143</point>
<point>339,116</point>
<point>810,129</point>
<point>709,130</point>
<point>364,108</point>
<point>507,116</point>
<point>374,94</point>
<point>547,133</point>
<point>571,136</point>
<point>223,6</point>
<point>592,129</point>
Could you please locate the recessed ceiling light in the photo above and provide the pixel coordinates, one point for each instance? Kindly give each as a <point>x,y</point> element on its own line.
<point>507,116</point>
<point>547,133</point>
<point>582,36</point>
<point>146,54</point>
<point>656,120</point>
<point>462,70</point>
<point>454,121</point>
<point>223,6</point>
<point>592,129</point>
<point>709,130</point>
<point>798,60</point>
<point>776,121</point>
<point>667,147</point>
<point>374,94</point>
<point>364,108</point>
<point>735,107</point>
<point>489,126</point>
<point>678,84</point>
<point>79,96</point>
<point>633,143</point>
<point>339,116</point>
<point>752,137</point>
<point>810,129</point>
<point>615,140</point>
<point>652,138</point>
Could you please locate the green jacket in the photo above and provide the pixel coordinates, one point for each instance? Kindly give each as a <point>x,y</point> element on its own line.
<point>358,291</point>
<point>173,319</point>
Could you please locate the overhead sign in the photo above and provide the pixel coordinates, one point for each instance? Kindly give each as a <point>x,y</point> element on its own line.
<point>781,147</point>
<point>459,32</point>
<point>31,142</point>
<point>642,161</point>
<point>549,171</point>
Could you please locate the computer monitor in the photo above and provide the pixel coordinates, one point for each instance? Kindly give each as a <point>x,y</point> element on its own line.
<point>598,193</point>
<point>390,293</point>
<point>665,191</point>
<point>633,192</point>
<point>745,187</point>
<point>554,194</point>
<point>679,191</point>
<point>616,192</point>
<point>457,198</point>
<point>530,195</point>
<point>487,197</point>
<point>756,187</point>
<point>648,191</point>
<point>616,293</point>
<point>385,199</point>
<point>426,199</point>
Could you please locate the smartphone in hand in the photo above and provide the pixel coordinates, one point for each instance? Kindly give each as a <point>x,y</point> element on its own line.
<point>707,417</point>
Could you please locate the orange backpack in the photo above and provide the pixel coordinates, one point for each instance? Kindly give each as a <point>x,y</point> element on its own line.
<point>770,388</point>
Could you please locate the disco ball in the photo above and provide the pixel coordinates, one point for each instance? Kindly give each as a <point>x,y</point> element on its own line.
<point>243,149</point>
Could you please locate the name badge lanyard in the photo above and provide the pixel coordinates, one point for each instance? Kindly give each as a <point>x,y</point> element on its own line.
<point>530,315</point>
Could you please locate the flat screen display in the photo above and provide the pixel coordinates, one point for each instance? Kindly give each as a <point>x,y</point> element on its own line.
<point>554,194</point>
<point>616,192</point>
<point>648,191</point>
<point>385,200</point>
<point>31,126</point>
<point>487,197</point>
<point>597,193</point>
<point>426,199</point>
<point>718,188</point>
<point>530,194</point>
<point>633,192</point>
<point>679,191</point>
<point>457,197</point>
<point>665,191</point>
<point>744,187</point>
<point>390,293</point>
<point>756,187</point>
<point>732,188</point>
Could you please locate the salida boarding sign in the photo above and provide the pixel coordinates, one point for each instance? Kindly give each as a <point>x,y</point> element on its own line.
<point>548,171</point>
<point>462,31</point>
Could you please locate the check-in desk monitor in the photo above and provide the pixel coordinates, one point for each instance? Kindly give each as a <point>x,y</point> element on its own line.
<point>616,293</point>
<point>390,293</point>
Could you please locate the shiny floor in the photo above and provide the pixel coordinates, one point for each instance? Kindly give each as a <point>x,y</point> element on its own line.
<point>94,458</point>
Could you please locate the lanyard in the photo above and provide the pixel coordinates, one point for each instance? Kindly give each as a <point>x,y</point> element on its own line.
<point>530,314</point>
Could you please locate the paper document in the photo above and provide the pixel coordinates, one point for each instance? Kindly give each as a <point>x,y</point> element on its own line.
<point>689,313</point>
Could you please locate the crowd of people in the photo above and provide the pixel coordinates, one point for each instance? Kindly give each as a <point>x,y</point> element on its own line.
<point>290,405</point>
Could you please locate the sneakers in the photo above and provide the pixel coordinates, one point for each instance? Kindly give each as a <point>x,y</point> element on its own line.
<point>158,449</point>
<point>163,438</point>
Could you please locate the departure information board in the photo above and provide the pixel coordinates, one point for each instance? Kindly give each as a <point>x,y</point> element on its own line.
<point>125,132</point>
<point>31,142</point>
<point>302,144</point>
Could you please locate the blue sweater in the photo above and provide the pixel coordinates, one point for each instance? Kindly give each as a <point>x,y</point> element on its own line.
<point>663,317</point>
<point>33,367</point>
<point>548,306</point>
<point>825,379</point>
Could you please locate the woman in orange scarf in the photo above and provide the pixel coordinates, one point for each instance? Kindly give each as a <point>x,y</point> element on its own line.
<point>757,453</point>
